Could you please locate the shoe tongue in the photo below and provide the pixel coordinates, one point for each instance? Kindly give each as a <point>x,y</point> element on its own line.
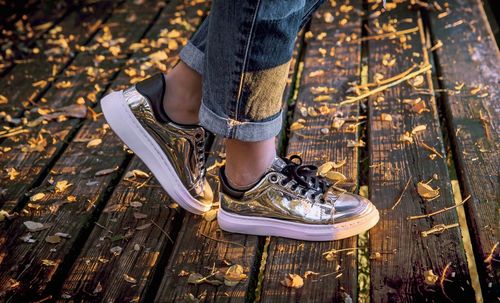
<point>278,164</point>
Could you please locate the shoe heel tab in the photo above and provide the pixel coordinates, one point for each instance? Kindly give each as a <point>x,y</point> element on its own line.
<point>226,188</point>
<point>153,89</point>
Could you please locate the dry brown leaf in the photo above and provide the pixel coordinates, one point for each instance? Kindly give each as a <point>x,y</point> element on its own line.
<point>94,142</point>
<point>317,73</point>
<point>62,185</point>
<point>12,173</point>
<point>234,275</point>
<point>406,137</point>
<point>386,117</point>
<point>135,204</point>
<point>4,215</point>
<point>310,273</point>
<point>426,191</point>
<point>418,128</point>
<point>144,226</point>
<point>136,173</point>
<point>337,123</point>
<point>195,278</point>
<point>293,281</point>
<point>116,250</point>
<point>46,262</point>
<point>112,208</point>
<point>210,215</point>
<point>37,197</point>
<point>34,226</point>
<point>54,239</point>
<point>322,98</point>
<point>3,99</point>
<point>336,177</point>
<point>73,111</point>
<point>129,279</point>
<point>140,216</point>
<point>359,143</point>
<point>296,126</point>
<point>417,81</point>
<point>183,273</point>
<point>106,171</point>
<point>430,278</point>
<point>98,288</point>
<point>71,198</point>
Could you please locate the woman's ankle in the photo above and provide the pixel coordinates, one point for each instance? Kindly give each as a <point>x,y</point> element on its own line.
<point>247,162</point>
<point>182,98</point>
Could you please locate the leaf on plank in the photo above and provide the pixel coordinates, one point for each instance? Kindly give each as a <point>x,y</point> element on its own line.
<point>61,186</point>
<point>426,191</point>
<point>106,171</point>
<point>94,142</point>
<point>234,275</point>
<point>293,281</point>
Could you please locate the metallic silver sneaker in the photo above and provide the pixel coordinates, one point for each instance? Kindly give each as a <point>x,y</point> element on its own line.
<point>291,201</point>
<point>174,153</point>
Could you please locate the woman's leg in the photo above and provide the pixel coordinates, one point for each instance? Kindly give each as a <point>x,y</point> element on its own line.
<point>184,83</point>
<point>248,51</point>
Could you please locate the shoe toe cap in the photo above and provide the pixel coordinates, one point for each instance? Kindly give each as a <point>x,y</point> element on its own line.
<point>349,206</point>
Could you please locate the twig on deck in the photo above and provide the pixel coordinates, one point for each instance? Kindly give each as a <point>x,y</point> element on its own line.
<point>388,80</point>
<point>437,229</point>
<point>222,241</point>
<point>402,193</point>
<point>442,278</point>
<point>163,231</point>
<point>392,35</point>
<point>431,149</point>
<point>489,258</point>
<point>384,87</point>
<point>438,211</point>
<point>103,227</point>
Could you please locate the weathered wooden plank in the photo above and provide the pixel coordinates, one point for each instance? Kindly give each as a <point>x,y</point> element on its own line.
<point>22,23</point>
<point>155,246</point>
<point>470,57</point>
<point>23,273</point>
<point>26,82</point>
<point>201,246</point>
<point>400,254</point>
<point>330,61</point>
<point>82,79</point>
<point>118,261</point>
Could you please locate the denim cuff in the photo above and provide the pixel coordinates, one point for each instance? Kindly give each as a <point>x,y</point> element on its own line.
<point>193,57</point>
<point>243,131</point>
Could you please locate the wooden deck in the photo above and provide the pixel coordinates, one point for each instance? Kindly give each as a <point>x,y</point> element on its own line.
<point>395,96</point>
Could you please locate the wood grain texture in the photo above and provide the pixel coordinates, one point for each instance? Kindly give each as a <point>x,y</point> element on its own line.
<point>32,164</point>
<point>89,271</point>
<point>400,255</point>
<point>470,56</point>
<point>23,272</point>
<point>57,49</point>
<point>22,24</point>
<point>286,256</point>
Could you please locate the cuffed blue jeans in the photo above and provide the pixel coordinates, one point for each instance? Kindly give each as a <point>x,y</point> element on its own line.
<point>243,52</point>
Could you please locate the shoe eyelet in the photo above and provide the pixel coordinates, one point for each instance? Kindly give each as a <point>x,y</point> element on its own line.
<point>303,192</point>
<point>273,178</point>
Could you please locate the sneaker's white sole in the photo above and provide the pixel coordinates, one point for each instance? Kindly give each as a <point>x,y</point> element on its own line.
<point>261,226</point>
<point>123,122</point>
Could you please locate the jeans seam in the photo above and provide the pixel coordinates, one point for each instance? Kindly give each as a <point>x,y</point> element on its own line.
<point>245,60</point>
<point>313,8</point>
